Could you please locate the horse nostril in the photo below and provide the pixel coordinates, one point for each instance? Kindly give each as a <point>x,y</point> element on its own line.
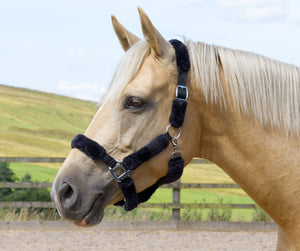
<point>68,192</point>
<point>67,195</point>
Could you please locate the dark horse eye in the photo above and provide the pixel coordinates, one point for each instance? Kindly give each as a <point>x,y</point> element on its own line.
<point>134,103</point>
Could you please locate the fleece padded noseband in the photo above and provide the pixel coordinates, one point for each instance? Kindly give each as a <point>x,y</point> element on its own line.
<point>97,152</point>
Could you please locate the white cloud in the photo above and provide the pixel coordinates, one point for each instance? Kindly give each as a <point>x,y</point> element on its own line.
<point>294,16</point>
<point>249,3</point>
<point>82,90</point>
<point>190,2</point>
<point>261,13</point>
<point>254,10</point>
<point>80,54</point>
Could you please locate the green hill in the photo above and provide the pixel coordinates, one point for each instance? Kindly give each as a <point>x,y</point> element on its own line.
<point>39,124</point>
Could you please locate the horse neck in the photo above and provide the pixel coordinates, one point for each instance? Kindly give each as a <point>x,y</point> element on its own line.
<point>260,160</point>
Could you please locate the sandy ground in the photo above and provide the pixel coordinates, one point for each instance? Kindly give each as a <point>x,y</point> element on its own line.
<point>135,240</point>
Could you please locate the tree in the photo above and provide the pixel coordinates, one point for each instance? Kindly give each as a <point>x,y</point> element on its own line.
<point>20,194</point>
<point>6,175</point>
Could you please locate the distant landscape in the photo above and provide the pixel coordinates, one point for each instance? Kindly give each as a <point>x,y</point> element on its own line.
<point>38,124</point>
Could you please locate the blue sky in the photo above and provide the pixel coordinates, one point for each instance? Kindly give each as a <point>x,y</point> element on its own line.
<point>69,47</point>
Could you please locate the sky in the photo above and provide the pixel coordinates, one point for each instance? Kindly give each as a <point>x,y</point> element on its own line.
<point>69,47</point>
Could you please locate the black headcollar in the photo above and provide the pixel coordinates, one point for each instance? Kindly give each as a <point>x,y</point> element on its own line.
<point>97,152</point>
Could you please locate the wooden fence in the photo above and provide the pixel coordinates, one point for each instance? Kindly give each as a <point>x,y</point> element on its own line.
<point>176,187</point>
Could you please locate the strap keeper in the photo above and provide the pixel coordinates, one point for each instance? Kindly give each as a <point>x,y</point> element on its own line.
<point>182,93</point>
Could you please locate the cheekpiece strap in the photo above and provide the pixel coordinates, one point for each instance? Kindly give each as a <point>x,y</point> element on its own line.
<point>183,65</point>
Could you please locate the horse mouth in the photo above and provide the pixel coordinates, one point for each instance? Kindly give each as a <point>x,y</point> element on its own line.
<point>94,216</point>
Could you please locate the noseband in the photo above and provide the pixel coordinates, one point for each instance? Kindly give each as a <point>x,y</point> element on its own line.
<point>97,152</point>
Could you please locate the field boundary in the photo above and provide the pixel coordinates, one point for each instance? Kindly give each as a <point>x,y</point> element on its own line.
<point>142,225</point>
<point>176,205</point>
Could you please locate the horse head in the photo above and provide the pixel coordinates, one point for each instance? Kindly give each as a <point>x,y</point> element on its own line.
<point>133,112</point>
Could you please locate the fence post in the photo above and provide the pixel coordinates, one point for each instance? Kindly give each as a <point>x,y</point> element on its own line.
<point>176,201</point>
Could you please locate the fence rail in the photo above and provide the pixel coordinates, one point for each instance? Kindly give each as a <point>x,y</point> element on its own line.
<point>176,187</point>
<point>26,204</point>
<point>60,160</point>
<point>176,205</point>
<point>172,185</point>
<point>25,185</point>
<point>32,159</point>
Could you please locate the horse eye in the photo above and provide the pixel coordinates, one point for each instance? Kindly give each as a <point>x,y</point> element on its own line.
<point>134,103</point>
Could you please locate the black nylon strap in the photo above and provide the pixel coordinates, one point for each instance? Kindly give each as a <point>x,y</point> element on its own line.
<point>178,113</point>
<point>92,149</point>
<point>96,152</point>
<point>183,64</point>
<point>147,152</point>
<point>182,60</point>
<point>174,173</point>
<point>131,198</point>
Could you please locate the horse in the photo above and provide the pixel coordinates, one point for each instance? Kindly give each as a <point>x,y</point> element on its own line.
<point>242,113</point>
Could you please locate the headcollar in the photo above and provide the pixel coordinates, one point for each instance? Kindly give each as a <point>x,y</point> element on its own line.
<point>97,152</point>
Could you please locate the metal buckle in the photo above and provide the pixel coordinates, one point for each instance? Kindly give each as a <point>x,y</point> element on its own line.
<point>123,175</point>
<point>186,92</point>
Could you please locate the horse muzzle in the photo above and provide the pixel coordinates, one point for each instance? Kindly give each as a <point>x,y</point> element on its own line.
<point>73,205</point>
<point>81,189</point>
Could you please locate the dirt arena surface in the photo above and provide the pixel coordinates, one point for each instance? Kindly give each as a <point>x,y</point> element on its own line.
<point>135,240</point>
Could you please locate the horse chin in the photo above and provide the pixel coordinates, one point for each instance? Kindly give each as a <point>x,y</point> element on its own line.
<point>90,222</point>
<point>94,216</point>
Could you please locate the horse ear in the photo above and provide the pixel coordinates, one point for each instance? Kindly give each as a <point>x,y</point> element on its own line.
<point>127,39</point>
<point>158,44</point>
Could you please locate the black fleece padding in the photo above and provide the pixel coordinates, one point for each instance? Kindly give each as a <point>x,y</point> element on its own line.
<point>92,149</point>
<point>182,55</point>
<point>129,192</point>
<point>147,152</point>
<point>174,173</point>
<point>120,203</point>
<point>147,193</point>
<point>177,114</point>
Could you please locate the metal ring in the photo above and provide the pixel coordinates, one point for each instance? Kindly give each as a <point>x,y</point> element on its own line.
<point>179,131</point>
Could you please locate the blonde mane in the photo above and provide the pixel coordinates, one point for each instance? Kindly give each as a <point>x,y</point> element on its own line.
<point>259,86</point>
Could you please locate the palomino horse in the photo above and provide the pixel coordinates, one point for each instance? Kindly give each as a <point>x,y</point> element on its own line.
<point>243,114</point>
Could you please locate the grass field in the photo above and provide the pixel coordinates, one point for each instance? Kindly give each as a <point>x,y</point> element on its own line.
<point>39,173</point>
<point>194,173</point>
<point>39,124</point>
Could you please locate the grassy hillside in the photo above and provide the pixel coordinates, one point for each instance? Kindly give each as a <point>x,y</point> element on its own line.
<point>34,123</point>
